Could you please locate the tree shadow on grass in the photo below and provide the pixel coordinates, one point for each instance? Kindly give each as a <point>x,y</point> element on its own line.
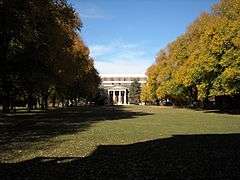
<point>233,111</point>
<point>224,111</point>
<point>212,156</point>
<point>20,130</point>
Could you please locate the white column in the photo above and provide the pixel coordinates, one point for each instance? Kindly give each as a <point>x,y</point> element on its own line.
<point>119,97</point>
<point>120,100</point>
<point>113,97</point>
<point>125,97</point>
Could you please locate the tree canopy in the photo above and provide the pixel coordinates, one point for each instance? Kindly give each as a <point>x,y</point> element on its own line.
<point>134,92</point>
<point>42,54</point>
<point>202,62</point>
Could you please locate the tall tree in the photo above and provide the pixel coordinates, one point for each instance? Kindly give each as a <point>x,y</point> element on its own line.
<point>41,51</point>
<point>202,62</point>
<point>134,92</point>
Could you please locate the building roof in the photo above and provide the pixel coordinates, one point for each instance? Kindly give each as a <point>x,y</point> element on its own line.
<point>122,75</point>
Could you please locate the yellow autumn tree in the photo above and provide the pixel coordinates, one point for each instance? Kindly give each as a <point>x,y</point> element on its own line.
<point>204,61</point>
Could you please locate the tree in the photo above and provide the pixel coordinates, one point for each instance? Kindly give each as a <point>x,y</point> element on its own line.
<point>42,53</point>
<point>101,97</point>
<point>146,93</point>
<point>134,92</point>
<point>203,62</point>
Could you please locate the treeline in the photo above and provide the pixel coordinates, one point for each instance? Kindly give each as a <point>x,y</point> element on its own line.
<point>202,63</point>
<point>42,56</point>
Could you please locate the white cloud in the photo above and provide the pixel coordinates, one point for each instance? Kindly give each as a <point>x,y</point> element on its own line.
<point>98,50</point>
<point>122,67</point>
<point>116,48</point>
<point>120,57</point>
<point>91,11</point>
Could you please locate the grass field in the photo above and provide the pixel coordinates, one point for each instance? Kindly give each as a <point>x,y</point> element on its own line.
<point>133,142</point>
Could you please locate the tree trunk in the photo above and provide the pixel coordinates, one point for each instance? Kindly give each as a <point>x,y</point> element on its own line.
<point>13,103</point>
<point>205,102</point>
<point>53,101</point>
<point>6,103</point>
<point>38,102</point>
<point>62,100</point>
<point>30,102</point>
<point>193,95</point>
<point>45,99</point>
<point>206,99</point>
<point>41,102</point>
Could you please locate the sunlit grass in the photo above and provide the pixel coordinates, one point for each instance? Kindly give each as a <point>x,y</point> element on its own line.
<point>78,133</point>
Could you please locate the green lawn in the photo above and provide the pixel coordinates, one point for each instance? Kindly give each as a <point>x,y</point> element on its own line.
<point>120,142</point>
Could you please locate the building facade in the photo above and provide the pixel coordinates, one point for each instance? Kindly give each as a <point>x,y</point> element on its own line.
<point>117,86</point>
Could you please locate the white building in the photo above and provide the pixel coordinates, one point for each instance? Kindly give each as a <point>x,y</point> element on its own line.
<point>117,86</point>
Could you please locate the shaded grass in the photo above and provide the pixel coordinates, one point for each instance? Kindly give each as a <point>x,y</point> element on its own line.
<point>25,135</point>
<point>124,142</point>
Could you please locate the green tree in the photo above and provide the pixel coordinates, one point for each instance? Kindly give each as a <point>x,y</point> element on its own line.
<point>134,92</point>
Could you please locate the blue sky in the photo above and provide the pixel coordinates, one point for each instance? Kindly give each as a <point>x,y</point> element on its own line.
<point>124,36</point>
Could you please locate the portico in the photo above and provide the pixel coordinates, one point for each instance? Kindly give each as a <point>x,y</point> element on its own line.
<point>117,86</point>
<point>118,95</point>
